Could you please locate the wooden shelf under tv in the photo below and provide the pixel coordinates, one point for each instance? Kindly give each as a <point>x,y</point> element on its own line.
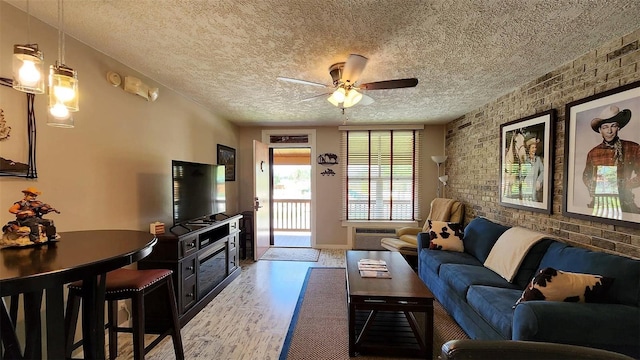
<point>183,252</point>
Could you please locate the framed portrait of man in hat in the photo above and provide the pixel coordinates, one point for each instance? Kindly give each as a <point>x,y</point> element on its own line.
<point>526,162</point>
<point>602,157</point>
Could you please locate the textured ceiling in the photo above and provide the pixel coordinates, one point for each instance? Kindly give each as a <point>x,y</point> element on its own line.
<point>226,54</point>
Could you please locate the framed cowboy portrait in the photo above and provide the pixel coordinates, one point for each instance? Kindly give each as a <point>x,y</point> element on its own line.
<point>602,157</point>
<point>526,162</point>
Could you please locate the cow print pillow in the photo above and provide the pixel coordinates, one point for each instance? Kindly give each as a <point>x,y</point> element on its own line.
<point>445,236</point>
<point>556,285</point>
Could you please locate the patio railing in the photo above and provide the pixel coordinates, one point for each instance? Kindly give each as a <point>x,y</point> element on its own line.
<point>291,214</point>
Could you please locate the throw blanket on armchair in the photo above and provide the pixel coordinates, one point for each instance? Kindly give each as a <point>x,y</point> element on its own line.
<point>441,209</point>
<point>510,249</point>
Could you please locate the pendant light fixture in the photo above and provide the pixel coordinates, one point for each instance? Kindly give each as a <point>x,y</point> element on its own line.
<point>28,75</point>
<point>63,83</point>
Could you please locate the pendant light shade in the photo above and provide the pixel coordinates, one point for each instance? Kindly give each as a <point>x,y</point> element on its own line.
<point>27,69</point>
<point>63,84</point>
<point>27,66</point>
<point>62,119</point>
<point>63,87</point>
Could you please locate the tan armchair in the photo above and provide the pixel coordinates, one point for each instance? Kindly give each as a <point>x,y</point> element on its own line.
<point>406,241</point>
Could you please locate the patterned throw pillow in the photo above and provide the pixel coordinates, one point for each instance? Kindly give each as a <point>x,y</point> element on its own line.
<point>445,236</point>
<point>556,285</point>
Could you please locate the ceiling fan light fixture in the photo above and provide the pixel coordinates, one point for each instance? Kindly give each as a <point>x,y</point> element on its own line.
<point>345,76</point>
<point>353,97</point>
<point>338,95</point>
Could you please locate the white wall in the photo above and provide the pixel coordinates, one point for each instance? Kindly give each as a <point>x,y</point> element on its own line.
<point>113,169</point>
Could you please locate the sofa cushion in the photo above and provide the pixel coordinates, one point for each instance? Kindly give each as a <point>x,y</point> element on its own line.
<point>433,259</point>
<point>445,236</point>
<point>480,235</point>
<point>626,272</point>
<point>555,285</point>
<point>494,305</point>
<point>460,276</point>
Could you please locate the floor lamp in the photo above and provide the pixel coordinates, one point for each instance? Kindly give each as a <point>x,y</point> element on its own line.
<point>440,160</point>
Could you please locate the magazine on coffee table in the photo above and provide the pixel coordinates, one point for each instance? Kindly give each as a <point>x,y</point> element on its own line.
<point>373,268</point>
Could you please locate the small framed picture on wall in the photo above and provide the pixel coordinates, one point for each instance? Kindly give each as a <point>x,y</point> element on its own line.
<point>227,157</point>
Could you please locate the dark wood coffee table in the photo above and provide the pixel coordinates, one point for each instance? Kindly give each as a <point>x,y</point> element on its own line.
<point>384,299</point>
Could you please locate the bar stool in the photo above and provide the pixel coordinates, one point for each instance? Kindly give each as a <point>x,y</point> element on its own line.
<point>246,228</point>
<point>122,284</point>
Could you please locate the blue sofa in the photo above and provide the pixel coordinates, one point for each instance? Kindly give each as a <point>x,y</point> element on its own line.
<point>482,302</point>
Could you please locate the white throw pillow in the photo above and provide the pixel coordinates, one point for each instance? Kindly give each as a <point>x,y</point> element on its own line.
<point>445,236</point>
<point>557,285</point>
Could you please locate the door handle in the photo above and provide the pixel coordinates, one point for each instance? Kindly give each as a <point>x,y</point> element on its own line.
<point>256,204</point>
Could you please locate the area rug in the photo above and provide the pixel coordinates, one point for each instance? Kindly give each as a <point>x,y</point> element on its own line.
<point>319,327</point>
<point>291,254</point>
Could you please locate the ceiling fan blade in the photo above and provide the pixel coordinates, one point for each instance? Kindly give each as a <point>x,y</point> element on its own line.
<point>353,68</point>
<point>389,84</point>
<point>303,82</point>
<point>366,100</point>
<point>315,97</point>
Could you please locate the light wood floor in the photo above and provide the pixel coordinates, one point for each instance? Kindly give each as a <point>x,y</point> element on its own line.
<point>249,319</point>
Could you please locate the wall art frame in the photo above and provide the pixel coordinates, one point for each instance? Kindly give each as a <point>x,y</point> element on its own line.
<point>602,157</point>
<point>526,162</point>
<point>18,137</point>
<point>227,157</point>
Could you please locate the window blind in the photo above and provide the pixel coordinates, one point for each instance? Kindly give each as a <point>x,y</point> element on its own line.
<point>380,174</point>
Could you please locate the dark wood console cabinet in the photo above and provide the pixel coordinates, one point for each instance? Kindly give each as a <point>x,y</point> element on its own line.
<point>204,259</point>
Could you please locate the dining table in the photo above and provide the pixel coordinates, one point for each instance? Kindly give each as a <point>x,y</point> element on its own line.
<point>30,271</point>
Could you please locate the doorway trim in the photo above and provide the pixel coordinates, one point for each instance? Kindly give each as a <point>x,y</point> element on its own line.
<point>310,143</point>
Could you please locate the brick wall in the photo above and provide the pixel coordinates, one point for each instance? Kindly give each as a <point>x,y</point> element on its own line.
<point>473,146</point>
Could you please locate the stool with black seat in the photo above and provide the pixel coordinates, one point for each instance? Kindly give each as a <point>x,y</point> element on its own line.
<point>122,284</point>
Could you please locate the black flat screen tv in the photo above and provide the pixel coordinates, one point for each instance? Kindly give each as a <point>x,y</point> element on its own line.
<point>198,191</point>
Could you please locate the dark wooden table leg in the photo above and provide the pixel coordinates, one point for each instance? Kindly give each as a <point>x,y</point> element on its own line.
<point>428,330</point>
<point>33,325</point>
<point>411,318</point>
<point>352,329</point>
<point>9,338</point>
<point>55,320</point>
<point>93,297</point>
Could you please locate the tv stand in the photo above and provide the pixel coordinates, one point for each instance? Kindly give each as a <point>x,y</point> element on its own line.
<point>213,217</point>
<point>204,260</point>
<point>178,226</point>
<point>200,223</point>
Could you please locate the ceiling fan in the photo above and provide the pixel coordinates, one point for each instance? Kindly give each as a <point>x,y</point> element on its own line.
<point>344,90</point>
